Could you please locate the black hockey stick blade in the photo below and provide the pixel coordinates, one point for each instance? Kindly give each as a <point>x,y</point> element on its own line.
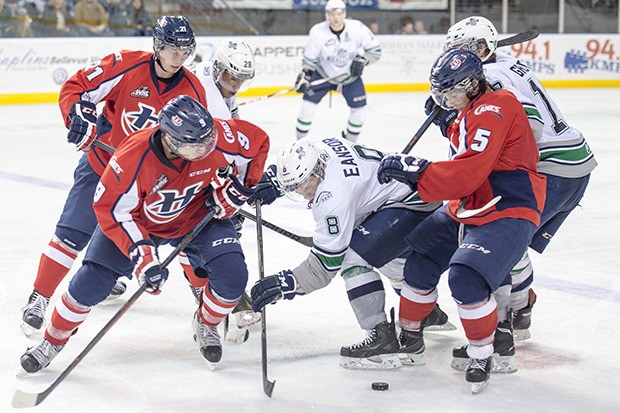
<point>307,241</point>
<point>519,38</point>
<point>23,399</point>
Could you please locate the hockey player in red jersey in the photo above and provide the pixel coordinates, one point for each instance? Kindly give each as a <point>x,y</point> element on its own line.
<point>153,192</point>
<point>495,198</point>
<point>134,85</point>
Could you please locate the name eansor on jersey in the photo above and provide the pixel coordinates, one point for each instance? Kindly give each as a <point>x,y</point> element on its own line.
<point>144,117</point>
<point>171,203</point>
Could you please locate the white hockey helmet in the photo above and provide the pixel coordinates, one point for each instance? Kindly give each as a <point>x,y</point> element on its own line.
<point>298,162</point>
<point>476,33</point>
<point>332,5</point>
<point>236,58</point>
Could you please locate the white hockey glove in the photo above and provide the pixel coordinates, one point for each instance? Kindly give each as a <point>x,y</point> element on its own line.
<point>147,269</point>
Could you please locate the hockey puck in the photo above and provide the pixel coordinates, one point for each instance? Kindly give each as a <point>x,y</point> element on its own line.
<point>380,386</point>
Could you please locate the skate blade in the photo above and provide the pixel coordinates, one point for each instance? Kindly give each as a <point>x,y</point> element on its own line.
<point>119,289</point>
<point>522,335</point>
<point>478,387</point>
<point>27,329</point>
<point>379,362</point>
<point>448,326</point>
<point>244,319</point>
<point>412,359</point>
<point>236,335</point>
<point>501,364</point>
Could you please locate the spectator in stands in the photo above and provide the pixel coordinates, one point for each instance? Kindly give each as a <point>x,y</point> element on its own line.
<point>143,23</point>
<point>406,25</point>
<point>6,17</point>
<point>119,20</point>
<point>20,26</point>
<point>374,26</point>
<point>54,21</point>
<point>419,27</point>
<point>90,18</point>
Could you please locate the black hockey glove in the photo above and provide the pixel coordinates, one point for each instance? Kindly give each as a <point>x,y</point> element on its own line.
<point>357,65</point>
<point>83,127</point>
<point>403,168</point>
<point>302,84</point>
<point>273,288</point>
<point>269,188</point>
<point>444,118</point>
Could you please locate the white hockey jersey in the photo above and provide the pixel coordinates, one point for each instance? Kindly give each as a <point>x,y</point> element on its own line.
<point>332,54</point>
<point>563,149</point>
<point>218,106</point>
<point>349,193</point>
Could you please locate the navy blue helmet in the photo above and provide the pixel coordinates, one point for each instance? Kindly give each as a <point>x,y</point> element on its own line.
<point>456,69</point>
<point>189,125</point>
<point>173,31</point>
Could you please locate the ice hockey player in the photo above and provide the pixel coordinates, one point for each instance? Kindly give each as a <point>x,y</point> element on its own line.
<point>338,49</point>
<point>360,226</point>
<point>153,192</point>
<point>495,198</point>
<point>134,85</point>
<point>565,159</point>
<point>231,71</point>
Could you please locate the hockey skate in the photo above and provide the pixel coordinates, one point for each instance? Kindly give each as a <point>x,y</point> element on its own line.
<point>197,293</point>
<point>411,348</point>
<point>503,354</point>
<point>39,356</point>
<point>478,373</point>
<point>523,319</point>
<point>244,315</point>
<point>377,351</point>
<point>437,320</point>
<point>208,340</point>
<point>33,313</point>
<point>119,289</point>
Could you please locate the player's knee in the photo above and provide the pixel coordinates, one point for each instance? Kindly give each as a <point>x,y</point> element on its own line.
<point>70,239</point>
<point>468,286</point>
<point>228,275</point>
<point>92,284</point>
<point>421,272</point>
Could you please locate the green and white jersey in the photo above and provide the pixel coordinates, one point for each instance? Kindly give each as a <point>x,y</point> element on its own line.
<point>563,149</point>
<point>349,193</point>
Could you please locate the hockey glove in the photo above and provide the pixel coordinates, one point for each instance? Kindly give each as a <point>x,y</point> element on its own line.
<point>357,65</point>
<point>143,255</point>
<point>269,188</point>
<point>229,198</point>
<point>83,128</point>
<point>273,288</point>
<point>403,168</point>
<point>302,84</point>
<point>444,118</point>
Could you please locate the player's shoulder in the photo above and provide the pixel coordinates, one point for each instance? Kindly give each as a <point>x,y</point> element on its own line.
<point>131,56</point>
<point>239,136</point>
<point>318,28</point>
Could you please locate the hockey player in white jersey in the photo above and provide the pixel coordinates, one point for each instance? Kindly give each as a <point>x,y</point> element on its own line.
<point>360,226</point>
<point>565,157</point>
<point>338,49</point>
<point>231,71</point>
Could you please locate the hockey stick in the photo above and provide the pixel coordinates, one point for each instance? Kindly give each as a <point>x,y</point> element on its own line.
<point>307,241</point>
<point>461,212</point>
<point>103,146</point>
<point>422,129</point>
<point>289,90</point>
<point>519,38</point>
<point>23,399</point>
<point>267,385</point>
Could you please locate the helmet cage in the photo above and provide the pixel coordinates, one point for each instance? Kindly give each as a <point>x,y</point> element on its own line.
<point>466,86</point>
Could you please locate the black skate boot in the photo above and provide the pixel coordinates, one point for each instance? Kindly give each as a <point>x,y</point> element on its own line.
<point>33,314</point>
<point>118,290</point>
<point>437,320</point>
<point>377,351</point>
<point>244,315</point>
<point>503,351</point>
<point>39,356</point>
<point>478,373</point>
<point>208,340</point>
<point>523,319</point>
<point>411,348</point>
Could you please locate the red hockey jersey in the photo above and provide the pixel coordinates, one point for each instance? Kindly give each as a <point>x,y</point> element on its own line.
<point>127,82</point>
<point>141,192</point>
<point>493,152</point>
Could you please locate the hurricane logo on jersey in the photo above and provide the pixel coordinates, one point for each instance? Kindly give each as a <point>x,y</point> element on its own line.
<point>171,203</point>
<point>144,117</point>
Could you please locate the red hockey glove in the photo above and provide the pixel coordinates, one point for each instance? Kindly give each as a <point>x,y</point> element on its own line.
<point>229,198</point>
<point>83,128</point>
<point>143,255</point>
